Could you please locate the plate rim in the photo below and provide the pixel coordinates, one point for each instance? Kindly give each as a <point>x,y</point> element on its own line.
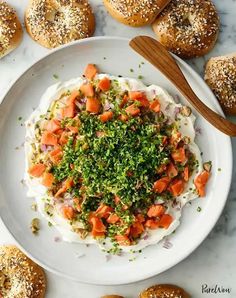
<point>204,234</point>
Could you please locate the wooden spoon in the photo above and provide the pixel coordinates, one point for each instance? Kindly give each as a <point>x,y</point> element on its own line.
<point>158,56</point>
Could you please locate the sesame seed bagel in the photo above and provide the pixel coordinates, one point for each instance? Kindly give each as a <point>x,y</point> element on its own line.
<point>164,291</point>
<point>135,13</point>
<point>188,28</point>
<point>56,22</point>
<point>19,276</point>
<point>220,75</point>
<point>10,29</point>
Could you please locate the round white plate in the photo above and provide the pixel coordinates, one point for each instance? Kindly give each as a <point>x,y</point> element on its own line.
<point>89,264</point>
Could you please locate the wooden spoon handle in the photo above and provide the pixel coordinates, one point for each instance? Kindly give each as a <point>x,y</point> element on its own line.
<point>158,56</point>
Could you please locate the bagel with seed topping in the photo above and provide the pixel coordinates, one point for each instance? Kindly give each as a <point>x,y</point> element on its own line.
<point>220,75</point>
<point>135,13</point>
<point>10,29</point>
<point>56,22</point>
<point>164,291</point>
<point>20,277</point>
<point>188,28</point>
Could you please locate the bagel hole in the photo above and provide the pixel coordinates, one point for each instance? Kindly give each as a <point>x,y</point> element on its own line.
<point>187,20</point>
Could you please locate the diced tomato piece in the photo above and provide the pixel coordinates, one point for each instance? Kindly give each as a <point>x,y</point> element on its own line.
<point>139,96</point>
<point>132,110</point>
<point>64,138</point>
<point>90,71</point>
<point>171,170</point>
<point>155,106</point>
<point>165,221</point>
<point>113,218</point>
<point>123,117</point>
<point>56,155</point>
<point>68,212</point>
<point>140,217</point>
<point>179,155</point>
<point>106,116</point>
<point>48,179</point>
<point>68,111</point>
<point>93,105</point>
<point>136,229</point>
<point>201,181</point>
<point>67,184</point>
<point>156,211</point>
<point>177,187</point>
<point>53,125</point>
<point>87,89</point>
<point>161,184</point>
<point>123,240</point>
<point>103,211</point>
<point>37,170</point>
<point>49,138</point>
<point>98,228</point>
<point>152,224</point>
<point>124,101</point>
<point>73,129</point>
<point>104,84</point>
<point>186,173</point>
<point>71,99</point>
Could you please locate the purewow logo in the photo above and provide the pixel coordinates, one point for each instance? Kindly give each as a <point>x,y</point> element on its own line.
<point>215,289</point>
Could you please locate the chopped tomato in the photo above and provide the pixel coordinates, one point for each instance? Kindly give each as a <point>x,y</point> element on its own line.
<point>136,229</point>
<point>117,200</point>
<point>56,155</point>
<point>177,187</point>
<point>90,71</point>
<point>123,117</point>
<point>104,84</point>
<point>68,212</point>
<point>98,228</point>
<point>64,138</point>
<point>53,125</point>
<point>49,138</point>
<point>106,116</point>
<point>48,179</point>
<point>113,218</point>
<point>171,170</point>
<point>132,110</point>
<point>156,211</point>
<point>87,89</point>
<point>37,170</point>
<point>67,184</point>
<point>155,106</point>
<point>103,211</point>
<point>139,96</point>
<point>140,217</point>
<point>152,224</point>
<point>161,184</point>
<point>68,111</point>
<point>123,240</point>
<point>124,101</point>
<point>93,105</point>
<point>77,204</point>
<point>71,99</point>
<point>165,221</point>
<point>186,173</point>
<point>73,129</point>
<point>201,181</point>
<point>179,155</point>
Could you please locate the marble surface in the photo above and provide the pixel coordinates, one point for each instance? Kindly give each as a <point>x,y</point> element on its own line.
<point>214,262</point>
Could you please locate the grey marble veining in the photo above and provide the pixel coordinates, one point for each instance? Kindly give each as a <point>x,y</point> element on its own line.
<point>214,261</point>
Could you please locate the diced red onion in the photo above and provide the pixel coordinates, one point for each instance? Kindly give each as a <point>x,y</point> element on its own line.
<point>43,147</point>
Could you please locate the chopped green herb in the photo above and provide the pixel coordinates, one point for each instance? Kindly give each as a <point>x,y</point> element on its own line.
<point>19,118</point>
<point>219,169</point>
<point>140,77</point>
<point>131,70</point>
<point>56,76</point>
<point>199,209</point>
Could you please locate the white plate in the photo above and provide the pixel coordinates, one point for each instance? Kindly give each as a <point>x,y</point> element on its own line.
<point>114,56</point>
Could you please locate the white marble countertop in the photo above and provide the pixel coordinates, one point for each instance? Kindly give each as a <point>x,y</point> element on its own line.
<point>214,262</point>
